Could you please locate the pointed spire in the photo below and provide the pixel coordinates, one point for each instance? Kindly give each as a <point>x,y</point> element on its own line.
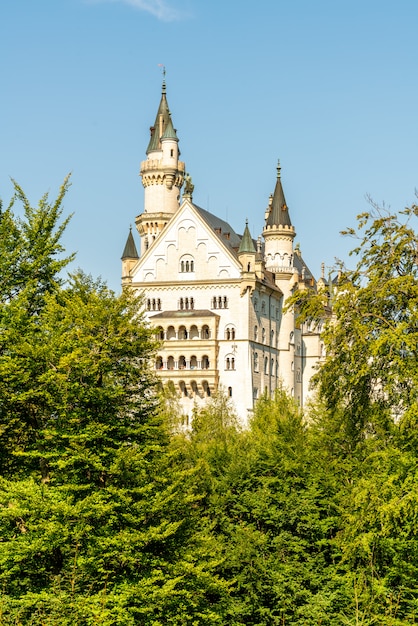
<point>170,131</point>
<point>247,244</point>
<point>162,120</point>
<point>130,251</point>
<point>279,212</point>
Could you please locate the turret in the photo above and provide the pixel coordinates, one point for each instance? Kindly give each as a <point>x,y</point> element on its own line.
<point>247,251</point>
<point>162,176</point>
<point>278,232</point>
<point>129,258</point>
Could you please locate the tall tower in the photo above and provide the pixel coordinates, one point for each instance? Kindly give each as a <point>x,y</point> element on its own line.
<point>279,234</point>
<point>162,176</point>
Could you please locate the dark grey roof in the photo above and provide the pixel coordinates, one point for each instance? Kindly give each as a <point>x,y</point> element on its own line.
<point>247,244</point>
<point>170,132</point>
<point>279,212</point>
<point>222,229</point>
<point>164,112</point>
<point>130,251</point>
<point>183,314</point>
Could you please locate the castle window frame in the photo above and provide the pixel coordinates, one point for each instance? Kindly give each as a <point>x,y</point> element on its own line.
<point>186,264</point>
<point>219,302</point>
<point>230,332</point>
<point>230,362</point>
<point>256,364</point>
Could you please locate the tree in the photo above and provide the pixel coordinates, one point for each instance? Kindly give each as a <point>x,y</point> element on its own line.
<point>31,253</point>
<point>97,524</point>
<point>370,375</point>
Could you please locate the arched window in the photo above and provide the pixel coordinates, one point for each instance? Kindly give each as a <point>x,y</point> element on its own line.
<point>186,264</point>
<point>182,362</point>
<point>230,392</point>
<point>205,362</point>
<point>205,332</point>
<point>272,367</point>
<point>229,362</point>
<point>182,332</point>
<point>272,338</point>
<point>159,363</point>
<point>263,307</point>
<point>266,365</point>
<point>171,333</point>
<point>263,335</point>
<point>170,363</point>
<point>193,362</point>
<point>255,361</point>
<point>194,333</point>
<point>230,333</point>
<point>255,333</point>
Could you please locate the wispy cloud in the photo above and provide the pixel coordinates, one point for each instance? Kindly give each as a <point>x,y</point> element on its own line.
<point>159,8</point>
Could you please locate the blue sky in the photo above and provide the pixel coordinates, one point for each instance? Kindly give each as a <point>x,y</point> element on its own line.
<point>329,87</point>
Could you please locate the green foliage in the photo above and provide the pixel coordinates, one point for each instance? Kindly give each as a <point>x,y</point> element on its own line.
<point>112,513</point>
<point>370,373</point>
<point>97,524</point>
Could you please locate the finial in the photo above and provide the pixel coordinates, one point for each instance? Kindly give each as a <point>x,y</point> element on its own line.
<point>246,221</point>
<point>130,228</point>
<point>323,270</point>
<point>279,169</point>
<point>163,71</point>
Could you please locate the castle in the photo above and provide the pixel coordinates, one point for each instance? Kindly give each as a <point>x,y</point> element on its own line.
<point>216,298</point>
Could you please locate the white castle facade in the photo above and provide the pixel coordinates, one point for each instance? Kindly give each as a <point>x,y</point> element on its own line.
<point>216,298</point>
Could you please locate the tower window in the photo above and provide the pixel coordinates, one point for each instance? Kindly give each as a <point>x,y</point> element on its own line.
<point>219,302</point>
<point>186,264</point>
<point>230,333</point>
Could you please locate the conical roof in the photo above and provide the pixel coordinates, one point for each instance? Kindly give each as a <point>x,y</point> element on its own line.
<point>161,122</point>
<point>170,132</point>
<point>130,251</point>
<point>279,212</point>
<point>247,244</point>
